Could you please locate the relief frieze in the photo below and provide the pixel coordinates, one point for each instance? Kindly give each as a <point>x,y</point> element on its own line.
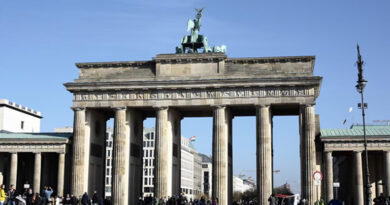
<point>187,94</point>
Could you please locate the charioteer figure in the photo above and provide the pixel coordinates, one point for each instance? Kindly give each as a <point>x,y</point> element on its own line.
<point>191,43</point>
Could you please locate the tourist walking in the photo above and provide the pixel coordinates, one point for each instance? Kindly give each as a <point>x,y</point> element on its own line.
<point>12,195</point>
<point>2,194</point>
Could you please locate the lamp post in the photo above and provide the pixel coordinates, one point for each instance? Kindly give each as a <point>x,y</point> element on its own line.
<point>361,84</point>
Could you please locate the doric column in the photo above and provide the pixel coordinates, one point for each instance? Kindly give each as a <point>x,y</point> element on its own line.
<point>61,174</point>
<point>308,157</point>
<point>120,159</point>
<point>387,172</point>
<point>14,169</point>
<point>174,118</point>
<point>220,155</point>
<point>264,153</point>
<point>37,173</point>
<point>163,155</point>
<point>79,164</point>
<point>329,175</point>
<point>359,196</point>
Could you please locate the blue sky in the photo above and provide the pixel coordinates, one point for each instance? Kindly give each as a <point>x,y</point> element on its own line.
<point>41,40</point>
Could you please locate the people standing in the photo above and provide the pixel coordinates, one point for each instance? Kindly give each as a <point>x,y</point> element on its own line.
<point>95,198</point>
<point>67,200</point>
<point>29,197</point>
<point>73,200</point>
<point>85,199</point>
<point>47,193</point>
<point>12,195</point>
<point>38,199</point>
<point>2,194</point>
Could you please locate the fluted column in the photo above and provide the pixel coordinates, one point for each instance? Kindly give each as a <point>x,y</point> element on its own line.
<point>61,174</point>
<point>37,173</point>
<point>163,155</point>
<point>79,164</point>
<point>329,175</point>
<point>308,158</point>
<point>264,153</point>
<point>387,172</point>
<point>359,196</point>
<point>220,155</point>
<point>14,169</point>
<point>120,159</point>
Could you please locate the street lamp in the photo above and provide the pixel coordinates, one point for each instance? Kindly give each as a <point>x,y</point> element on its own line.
<point>361,84</point>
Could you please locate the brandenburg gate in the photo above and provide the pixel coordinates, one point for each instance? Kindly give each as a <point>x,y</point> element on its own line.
<point>173,86</point>
<point>188,84</point>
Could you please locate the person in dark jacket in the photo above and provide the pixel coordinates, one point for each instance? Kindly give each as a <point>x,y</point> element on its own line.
<point>95,198</point>
<point>12,195</point>
<point>29,197</point>
<point>85,199</point>
<point>66,200</point>
<point>74,200</point>
<point>38,199</point>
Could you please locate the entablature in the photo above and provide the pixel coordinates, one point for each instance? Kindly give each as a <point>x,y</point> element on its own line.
<point>357,144</point>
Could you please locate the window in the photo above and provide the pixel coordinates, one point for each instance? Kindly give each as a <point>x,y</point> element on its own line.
<point>151,143</point>
<point>22,125</point>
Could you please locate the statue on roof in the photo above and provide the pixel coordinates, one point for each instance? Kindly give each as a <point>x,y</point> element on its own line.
<point>195,41</point>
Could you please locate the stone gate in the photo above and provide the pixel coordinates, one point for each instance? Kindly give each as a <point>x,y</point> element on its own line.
<point>172,86</point>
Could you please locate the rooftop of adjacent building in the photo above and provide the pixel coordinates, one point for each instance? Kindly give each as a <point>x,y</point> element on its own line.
<point>13,105</point>
<point>35,136</point>
<point>357,131</point>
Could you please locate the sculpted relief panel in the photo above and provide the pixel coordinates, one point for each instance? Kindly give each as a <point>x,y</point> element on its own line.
<point>187,94</point>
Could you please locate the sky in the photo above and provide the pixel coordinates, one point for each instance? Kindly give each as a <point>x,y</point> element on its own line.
<point>40,41</point>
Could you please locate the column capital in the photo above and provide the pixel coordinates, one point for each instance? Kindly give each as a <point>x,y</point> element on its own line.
<point>77,108</point>
<point>118,108</point>
<point>357,151</point>
<point>13,152</point>
<point>37,152</point>
<point>157,108</point>
<point>308,105</point>
<point>328,151</point>
<point>263,105</point>
<point>218,106</point>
